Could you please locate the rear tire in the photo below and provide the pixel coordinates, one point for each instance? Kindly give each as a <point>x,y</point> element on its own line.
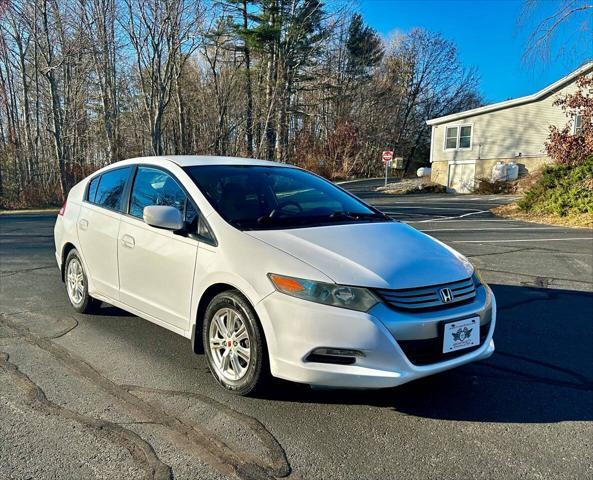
<point>77,284</point>
<point>234,344</point>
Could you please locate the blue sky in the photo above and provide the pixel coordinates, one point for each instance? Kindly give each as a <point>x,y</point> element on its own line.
<point>489,36</point>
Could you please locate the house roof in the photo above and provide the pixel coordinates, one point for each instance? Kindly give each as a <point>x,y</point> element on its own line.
<point>586,68</point>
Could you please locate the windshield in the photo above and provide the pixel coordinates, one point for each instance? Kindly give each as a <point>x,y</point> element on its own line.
<point>260,197</point>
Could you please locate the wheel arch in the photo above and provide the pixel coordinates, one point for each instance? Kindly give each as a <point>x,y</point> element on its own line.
<point>66,249</point>
<point>205,299</point>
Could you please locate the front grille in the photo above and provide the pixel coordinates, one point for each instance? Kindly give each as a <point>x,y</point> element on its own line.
<point>427,351</point>
<point>429,297</point>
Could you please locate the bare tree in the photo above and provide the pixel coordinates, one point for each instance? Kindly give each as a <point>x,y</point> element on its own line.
<point>163,34</point>
<point>85,82</point>
<point>577,15</point>
<point>99,21</point>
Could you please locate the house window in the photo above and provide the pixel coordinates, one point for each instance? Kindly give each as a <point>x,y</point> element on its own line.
<point>465,137</point>
<point>458,137</point>
<point>451,141</point>
<point>578,124</point>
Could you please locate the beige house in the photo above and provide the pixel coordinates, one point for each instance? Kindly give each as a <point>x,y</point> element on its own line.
<point>466,145</point>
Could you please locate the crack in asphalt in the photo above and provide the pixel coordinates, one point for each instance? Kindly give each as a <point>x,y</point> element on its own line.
<point>585,385</point>
<point>275,450</point>
<point>35,310</point>
<point>516,250</point>
<point>581,378</point>
<point>140,450</point>
<point>540,282</point>
<point>206,445</point>
<point>65,330</point>
<point>10,273</point>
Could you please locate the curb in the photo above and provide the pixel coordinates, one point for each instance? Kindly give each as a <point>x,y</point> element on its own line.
<point>7,213</point>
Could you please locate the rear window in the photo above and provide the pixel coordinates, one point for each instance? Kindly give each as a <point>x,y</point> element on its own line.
<point>110,189</point>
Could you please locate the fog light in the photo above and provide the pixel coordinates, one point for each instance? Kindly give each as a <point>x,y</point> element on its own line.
<point>339,356</point>
<point>338,351</point>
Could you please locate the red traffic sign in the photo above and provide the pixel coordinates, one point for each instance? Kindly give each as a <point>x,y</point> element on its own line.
<point>387,156</point>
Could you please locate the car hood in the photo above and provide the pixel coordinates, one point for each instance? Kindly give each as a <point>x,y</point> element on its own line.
<point>377,255</point>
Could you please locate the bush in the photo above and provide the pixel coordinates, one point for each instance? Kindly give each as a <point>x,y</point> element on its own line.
<point>562,190</point>
<point>563,145</point>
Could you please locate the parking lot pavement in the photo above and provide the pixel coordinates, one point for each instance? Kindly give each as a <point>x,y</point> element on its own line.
<point>132,398</point>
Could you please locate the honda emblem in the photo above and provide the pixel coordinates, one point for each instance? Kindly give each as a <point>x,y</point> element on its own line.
<point>446,295</point>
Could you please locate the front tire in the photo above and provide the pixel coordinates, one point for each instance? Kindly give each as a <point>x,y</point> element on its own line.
<point>77,284</point>
<point>234,344</point>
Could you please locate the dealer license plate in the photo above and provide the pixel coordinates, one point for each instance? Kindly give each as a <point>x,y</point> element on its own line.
<point>461,334</point>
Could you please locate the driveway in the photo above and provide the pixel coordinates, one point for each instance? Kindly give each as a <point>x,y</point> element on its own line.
<point>111,395</point>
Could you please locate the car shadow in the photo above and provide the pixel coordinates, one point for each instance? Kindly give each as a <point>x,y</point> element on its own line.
<point>541,371</point>
<point>107,310</point>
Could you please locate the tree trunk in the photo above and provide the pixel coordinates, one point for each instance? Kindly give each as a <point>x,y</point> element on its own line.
<point>249,93</point>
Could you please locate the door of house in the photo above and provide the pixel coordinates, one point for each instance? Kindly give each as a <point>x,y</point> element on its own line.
<point>462,177</point>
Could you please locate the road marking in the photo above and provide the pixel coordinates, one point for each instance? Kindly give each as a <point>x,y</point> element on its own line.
<point>437,208</point>
<point>404,214</point>
<point>459,216</point>
<point>502,220</point>
<point>523,240</point>
<point>483,229</point>
<point>427,204</point>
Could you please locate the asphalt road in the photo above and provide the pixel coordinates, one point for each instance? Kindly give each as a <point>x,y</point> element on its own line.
<point>114,396</point>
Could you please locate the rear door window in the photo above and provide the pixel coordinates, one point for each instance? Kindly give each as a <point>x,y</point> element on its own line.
<point>111,188</point>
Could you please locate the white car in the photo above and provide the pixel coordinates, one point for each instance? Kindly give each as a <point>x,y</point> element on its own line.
<point>271,270</point>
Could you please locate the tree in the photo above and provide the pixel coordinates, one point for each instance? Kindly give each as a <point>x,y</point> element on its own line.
<point>99,19</point>
<point>364,47</point>
<point>571,145</point>
<point>85,82</point>
<point>163,34</point>
<point>573,16</point>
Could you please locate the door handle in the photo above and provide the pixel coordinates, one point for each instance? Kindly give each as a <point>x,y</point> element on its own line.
<point>83,224</point>
<point>128,241</point>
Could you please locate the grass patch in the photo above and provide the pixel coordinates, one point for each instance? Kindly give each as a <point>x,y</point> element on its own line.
<point>583,220</point>
<point>560,195</point>
<point>562,191</point>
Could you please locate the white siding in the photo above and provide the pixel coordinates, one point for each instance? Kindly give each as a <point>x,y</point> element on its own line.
<point>504,133</point>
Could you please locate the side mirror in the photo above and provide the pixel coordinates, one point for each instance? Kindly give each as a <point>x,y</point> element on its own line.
<point>161,216</point>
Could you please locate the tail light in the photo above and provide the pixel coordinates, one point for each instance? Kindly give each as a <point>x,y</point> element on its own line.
<point>63,209</point>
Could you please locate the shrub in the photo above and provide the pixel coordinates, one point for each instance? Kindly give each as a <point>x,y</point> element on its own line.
<point>485,186</point>
<point>564,145</point>
<point>562,190</point>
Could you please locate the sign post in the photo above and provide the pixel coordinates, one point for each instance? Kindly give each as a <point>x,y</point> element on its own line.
<point>387,157</point>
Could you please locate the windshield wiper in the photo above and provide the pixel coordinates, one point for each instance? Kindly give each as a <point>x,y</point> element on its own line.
<point>271,220</point>
<point>341,216</point>
<point>357,216</point>
<point>337,216</point>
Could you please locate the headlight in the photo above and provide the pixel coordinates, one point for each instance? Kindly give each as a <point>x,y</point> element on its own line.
<point>477,278</point>
<point>353,298</point>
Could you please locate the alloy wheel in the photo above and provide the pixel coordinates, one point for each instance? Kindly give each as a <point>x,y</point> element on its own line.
<point>75,281</point>
<point>230,344</point>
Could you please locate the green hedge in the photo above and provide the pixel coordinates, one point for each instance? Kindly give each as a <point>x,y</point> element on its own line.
<point>562,190</point>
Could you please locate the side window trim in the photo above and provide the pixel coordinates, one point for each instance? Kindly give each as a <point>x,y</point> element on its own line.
<point>127,193</point>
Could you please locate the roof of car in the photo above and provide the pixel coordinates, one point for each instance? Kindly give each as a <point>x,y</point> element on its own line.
<point>196,160</point>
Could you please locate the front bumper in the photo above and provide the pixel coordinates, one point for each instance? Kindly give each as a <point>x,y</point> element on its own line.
<point>295,327</point>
